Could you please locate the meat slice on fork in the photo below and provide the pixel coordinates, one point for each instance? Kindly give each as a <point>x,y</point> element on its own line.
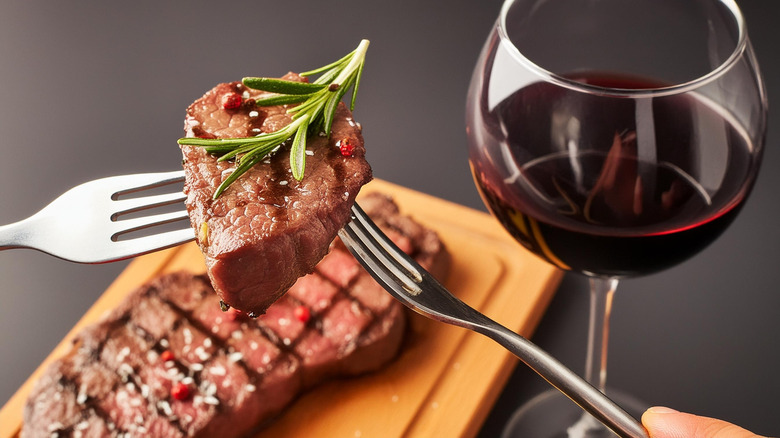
<point>267,229</point>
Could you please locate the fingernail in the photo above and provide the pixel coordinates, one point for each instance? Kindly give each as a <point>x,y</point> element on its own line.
<point>662,410</point>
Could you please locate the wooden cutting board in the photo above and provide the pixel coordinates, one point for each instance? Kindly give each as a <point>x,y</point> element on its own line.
<point>446,379</point>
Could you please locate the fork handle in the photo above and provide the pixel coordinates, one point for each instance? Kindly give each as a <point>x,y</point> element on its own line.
<point>15,235</point>
<point>569,383</point>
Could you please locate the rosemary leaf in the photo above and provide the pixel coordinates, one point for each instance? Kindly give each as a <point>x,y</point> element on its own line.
<point>281,86</point>
<point>197,141</point>
<point>281,99</point>
<point>309,105</point>
<point>327,77</point>
<point>239,150</point>
<point>259,152</point>
<point>330,66</point>
<point>218,150</point>
<point>298,149</point>
<point>240,170</point>
<point>359,74</point>
<point>332,104</point>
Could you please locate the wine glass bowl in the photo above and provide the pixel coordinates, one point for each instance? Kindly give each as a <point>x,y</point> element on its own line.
<point>615,138</point>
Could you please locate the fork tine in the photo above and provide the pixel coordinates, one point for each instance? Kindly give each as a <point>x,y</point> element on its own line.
<point>380,254</point>
<point>143,245</point>
<point>400,274</point>
<point>135,224</point>
<point>125,206</point>
<point>125,184</point>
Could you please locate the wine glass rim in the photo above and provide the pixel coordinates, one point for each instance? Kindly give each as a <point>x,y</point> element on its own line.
<point>681,87</point>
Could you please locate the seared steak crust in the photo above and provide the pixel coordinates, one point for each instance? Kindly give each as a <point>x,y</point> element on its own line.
<point>267,229</point>
<point>240,372</point>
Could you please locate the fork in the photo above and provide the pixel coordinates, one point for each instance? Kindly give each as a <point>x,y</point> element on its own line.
<point>94,222</point>
<point>416,288</point>
<point>86,225</point>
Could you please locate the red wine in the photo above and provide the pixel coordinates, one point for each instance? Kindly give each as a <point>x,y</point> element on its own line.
<point>610,186</point>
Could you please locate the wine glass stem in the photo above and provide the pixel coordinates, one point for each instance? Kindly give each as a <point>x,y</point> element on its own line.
<point>602,291</point>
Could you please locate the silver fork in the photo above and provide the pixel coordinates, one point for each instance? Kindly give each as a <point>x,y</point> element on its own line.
<point>416,288</point>
<point>94,222</point>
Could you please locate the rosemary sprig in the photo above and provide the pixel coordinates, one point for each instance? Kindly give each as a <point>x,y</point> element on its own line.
<point>315,106</point>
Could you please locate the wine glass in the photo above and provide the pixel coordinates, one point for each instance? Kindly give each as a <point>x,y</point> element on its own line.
<point>613,138</point>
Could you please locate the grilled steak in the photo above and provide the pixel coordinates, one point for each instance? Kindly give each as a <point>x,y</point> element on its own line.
<point>267,229</point>
<point>168,362</point>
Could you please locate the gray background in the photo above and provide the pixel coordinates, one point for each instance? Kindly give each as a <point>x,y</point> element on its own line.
<point>91,89</point>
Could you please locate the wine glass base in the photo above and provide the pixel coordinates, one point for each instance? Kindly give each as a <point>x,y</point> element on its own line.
<point>552,415</point>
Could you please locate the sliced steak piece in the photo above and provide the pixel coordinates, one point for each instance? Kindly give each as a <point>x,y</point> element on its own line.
<point>126,374</point>
<point>267,229</point>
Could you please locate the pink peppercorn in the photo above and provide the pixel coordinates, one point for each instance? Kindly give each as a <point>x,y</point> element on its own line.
<point>231,101</point>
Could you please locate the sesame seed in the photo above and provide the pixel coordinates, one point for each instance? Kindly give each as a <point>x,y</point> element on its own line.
<point>201,353</point>
<point>218,370</point>
<point>81,426</point>
<point>56,425</point>
<point>187,334</point>
<point>125,370</point>
<point>123,354</point>
<point>165,407</point>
